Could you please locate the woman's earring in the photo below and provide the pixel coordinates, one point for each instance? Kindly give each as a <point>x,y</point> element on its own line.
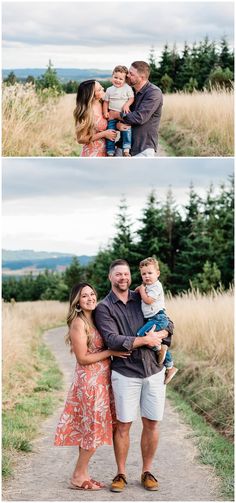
<point>78,309</point>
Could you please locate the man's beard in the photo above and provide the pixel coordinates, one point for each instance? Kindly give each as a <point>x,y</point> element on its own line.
<point>122,287</point>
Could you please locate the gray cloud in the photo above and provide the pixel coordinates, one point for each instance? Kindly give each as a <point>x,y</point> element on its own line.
<point>71,178</point>
<point>115,23</point>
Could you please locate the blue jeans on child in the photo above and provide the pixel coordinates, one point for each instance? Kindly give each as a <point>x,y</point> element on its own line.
<point>125,138</point>
<point>161,321</point>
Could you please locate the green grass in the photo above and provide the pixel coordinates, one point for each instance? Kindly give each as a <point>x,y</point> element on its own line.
<point>168,148</point>
<point>184,143</point>
<point>214,449</point>
<point>21,424</point>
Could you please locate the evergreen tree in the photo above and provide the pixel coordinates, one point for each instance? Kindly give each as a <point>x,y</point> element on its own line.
<point>192,245</point>
<point>49,80</point>
<point>10,79</point>
<point>165,65</point>
<point>74,273</point>
<point>152,234</point>
<point>221,78</point>
<point>226,58</point>
<point>208,279</point>
<point>173,227</point>
<point>154,73</point>
<point>97,272</point>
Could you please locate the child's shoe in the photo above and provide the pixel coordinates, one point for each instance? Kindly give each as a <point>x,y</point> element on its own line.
<point>162,354</point>
<point>170,373</point>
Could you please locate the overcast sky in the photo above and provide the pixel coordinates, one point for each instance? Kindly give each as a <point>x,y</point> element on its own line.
<point>103,34</point>
<point>65,206</point>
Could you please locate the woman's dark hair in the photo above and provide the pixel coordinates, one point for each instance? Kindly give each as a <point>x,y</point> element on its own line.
<point>74,308</point>
<point>83,113</point>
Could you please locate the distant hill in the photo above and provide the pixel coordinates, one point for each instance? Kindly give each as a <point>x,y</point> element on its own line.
<point>64,74</point>
<point>29,261</point>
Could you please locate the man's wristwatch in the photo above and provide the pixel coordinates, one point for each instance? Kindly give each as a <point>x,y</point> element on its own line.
<point>123,115</point>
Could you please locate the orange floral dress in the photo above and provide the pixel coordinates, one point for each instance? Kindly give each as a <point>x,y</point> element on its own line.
<point>89,413</point>
<point>96,148</point>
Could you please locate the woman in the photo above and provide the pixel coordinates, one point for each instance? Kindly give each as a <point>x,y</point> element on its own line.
<point>87,419</point>
<point>91,126</point>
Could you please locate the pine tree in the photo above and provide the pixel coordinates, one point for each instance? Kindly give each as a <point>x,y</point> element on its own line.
<point>74,273</point>
<point>226,58</point>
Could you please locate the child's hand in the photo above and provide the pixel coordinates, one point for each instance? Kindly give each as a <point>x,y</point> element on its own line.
<point>137,289</point>
<point>106,115</point>
<point>125,108</point>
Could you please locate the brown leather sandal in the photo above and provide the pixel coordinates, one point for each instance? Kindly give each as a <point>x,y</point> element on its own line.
<point>87,485</point>
<point>99,484</point>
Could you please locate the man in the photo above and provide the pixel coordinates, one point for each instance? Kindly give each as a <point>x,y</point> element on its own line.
<point>137,379</point>
<point>145,113</point>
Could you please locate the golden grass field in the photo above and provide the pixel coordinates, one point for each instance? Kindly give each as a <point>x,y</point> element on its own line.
<point>203,331</point>
<point>200,124</point>
<point>22,323</point>
<point>204,326</point>
<point>192,124</point>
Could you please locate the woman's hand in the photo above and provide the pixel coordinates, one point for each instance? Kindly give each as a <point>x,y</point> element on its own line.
<point>110,134</point>
<point>120,354</point>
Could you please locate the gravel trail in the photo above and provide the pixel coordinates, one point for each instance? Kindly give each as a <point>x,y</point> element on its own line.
<point>43,475</point>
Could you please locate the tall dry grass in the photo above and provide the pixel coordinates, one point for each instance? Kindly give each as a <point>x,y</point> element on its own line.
<point>22,323</point>
<point>203,348</point>
<point>204,325</point>
<point>200,124</point>
<point>36,125</point>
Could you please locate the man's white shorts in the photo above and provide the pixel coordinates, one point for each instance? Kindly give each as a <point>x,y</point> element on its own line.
<point>148,152</point>
<point>131,393</point>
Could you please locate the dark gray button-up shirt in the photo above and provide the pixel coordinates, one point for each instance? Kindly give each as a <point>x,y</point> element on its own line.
<point>118,324</point>
<point>145,118</point>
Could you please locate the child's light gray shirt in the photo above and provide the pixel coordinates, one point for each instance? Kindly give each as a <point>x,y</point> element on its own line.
<point>156,292</point>
<point>117,96</point>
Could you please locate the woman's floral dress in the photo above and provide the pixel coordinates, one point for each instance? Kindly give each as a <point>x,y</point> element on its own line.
<point>96,148</point>
<point>89,413</point>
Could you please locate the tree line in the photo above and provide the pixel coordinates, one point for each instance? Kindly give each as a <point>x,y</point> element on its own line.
<point>202,66</point>
<point>205,65</point>
<point>194,245</point>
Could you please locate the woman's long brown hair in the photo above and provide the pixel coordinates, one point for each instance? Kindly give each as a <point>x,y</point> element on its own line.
<point>83,113</point>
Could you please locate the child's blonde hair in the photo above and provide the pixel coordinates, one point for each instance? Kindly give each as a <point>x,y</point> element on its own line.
<point>148,261</point>
<point>121,69</point>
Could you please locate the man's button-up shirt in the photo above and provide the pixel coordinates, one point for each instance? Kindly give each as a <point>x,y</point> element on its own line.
<point>144,118</point>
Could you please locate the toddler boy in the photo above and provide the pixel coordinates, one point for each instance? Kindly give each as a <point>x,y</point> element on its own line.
<point>118,97</point>
<point>153,307</point>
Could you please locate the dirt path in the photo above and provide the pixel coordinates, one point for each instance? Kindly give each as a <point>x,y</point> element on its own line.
<point>43,475</point>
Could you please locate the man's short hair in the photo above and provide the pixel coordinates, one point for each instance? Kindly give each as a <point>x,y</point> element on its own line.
<point>142,67</point>
<point>150,261</point>
<point>118,261</point>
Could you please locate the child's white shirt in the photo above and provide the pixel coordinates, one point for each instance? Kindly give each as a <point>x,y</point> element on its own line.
<point>156,292</point>
<point>117,96</point>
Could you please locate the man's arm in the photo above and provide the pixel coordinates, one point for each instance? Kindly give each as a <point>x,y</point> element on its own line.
<point>108,329</point>
<point>147,107</point>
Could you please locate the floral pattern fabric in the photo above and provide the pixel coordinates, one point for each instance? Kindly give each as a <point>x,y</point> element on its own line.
<point>89,413</point>
<point>96,148</point>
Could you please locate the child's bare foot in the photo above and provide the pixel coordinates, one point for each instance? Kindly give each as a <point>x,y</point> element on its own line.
<point>170,373</point>
<point>162,354</point>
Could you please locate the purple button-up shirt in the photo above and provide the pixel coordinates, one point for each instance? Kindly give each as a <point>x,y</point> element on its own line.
<point>118,324</point>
